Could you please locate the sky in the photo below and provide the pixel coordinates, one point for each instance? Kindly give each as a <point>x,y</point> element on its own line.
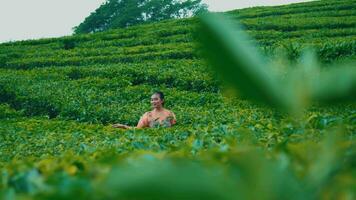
<point>33,19</point>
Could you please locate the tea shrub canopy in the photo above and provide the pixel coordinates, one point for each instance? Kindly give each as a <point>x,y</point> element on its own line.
<point>59,97</point>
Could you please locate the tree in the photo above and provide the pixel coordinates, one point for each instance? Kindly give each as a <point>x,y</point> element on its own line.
<point>124,13</point>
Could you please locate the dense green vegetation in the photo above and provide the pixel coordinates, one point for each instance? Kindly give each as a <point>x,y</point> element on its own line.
<point>333,37</point>
<point>59,96</point>
<point>123,13</point>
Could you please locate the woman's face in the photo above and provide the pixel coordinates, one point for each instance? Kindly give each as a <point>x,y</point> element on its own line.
<point>156,101</point>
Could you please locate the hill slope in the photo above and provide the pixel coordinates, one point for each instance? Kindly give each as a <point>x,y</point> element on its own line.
<point>58,97</point>
<point>327,25</point>
<point>123,66</point>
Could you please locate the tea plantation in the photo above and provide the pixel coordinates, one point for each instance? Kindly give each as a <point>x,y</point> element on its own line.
<point>60,96</point>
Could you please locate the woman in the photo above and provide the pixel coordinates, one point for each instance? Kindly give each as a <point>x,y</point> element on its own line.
<point>158,117</point>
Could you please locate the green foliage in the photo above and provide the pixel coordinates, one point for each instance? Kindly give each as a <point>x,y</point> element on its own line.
<point>57,106</point>
<point>7,112</point>
<point>173,39</point>
<point>242,66</point>
<point>238,62</point>
<point>65,158</point>
<point>69,44</point>
<point>124,13</point>
<point>101,94</point>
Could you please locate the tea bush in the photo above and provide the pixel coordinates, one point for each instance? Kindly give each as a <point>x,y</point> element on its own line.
<point>59,97</point>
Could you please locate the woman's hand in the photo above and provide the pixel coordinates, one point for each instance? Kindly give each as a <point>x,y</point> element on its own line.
<point>123,126</point>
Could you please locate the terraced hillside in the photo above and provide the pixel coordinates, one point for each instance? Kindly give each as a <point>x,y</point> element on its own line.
<point>327,25</point>
<point>59,96</point>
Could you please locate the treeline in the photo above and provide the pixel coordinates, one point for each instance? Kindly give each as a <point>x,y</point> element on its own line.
<point>124,13</point>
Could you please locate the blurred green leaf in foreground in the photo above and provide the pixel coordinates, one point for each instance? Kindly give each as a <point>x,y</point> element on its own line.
<point>232,54</point>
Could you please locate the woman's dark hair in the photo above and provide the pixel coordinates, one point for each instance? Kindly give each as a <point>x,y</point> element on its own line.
<point>160,94</point>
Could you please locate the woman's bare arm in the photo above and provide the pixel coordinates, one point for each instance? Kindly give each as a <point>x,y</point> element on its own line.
<point>123,126</point>
<point>142,123</point>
